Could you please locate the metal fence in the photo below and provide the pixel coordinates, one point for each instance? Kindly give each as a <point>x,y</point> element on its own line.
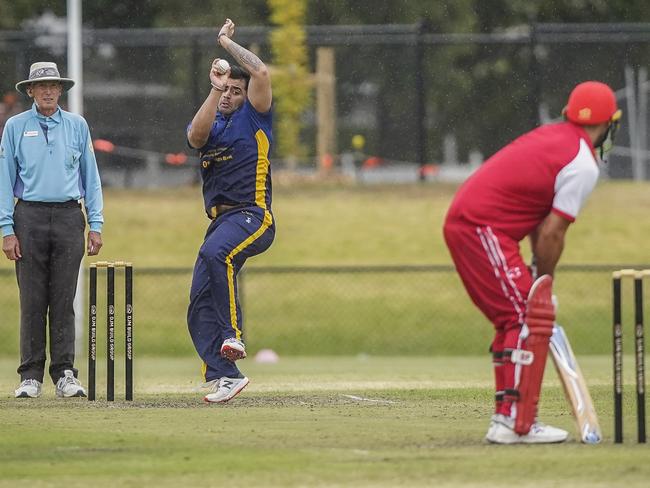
<point>396,310</point>
<point>416,96</point>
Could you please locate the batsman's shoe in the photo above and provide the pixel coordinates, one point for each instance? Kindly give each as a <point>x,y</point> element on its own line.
<point>544,434</point>
<point>501,431</point>
<point>233,349</point>
<point>493,425</point>
<point>29,389</point>
<point>69,386</point>
<point>226,389</point>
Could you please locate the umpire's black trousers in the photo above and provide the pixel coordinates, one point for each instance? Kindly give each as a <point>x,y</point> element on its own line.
<point>51,238</point>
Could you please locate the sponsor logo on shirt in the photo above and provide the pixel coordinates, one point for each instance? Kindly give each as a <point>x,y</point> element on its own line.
<point>215,156</point>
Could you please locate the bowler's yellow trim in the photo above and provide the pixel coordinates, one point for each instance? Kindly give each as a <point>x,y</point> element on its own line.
<point>204,370</point>
<point>261,175</point>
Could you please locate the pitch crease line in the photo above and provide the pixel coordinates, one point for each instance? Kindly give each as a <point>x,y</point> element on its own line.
<point>362,399</point>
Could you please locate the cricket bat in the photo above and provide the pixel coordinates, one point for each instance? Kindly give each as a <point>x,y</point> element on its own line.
<point>575,387</point>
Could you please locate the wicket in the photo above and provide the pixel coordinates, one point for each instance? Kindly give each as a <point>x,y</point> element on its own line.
<point>110,328</point>
<point>639,353</point>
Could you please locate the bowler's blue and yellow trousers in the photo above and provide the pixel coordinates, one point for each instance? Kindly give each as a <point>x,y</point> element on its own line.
<point>214,312</point>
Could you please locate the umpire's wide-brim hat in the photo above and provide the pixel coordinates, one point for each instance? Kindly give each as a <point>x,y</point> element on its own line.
<point>43,71</point>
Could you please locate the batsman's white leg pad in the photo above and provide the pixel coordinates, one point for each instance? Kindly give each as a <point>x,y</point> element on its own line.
<point>530,358</point>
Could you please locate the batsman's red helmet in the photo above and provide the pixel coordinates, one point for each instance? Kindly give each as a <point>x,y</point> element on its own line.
<point>592,103</point>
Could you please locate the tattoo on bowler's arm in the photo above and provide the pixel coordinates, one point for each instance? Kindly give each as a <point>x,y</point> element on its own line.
<point>244,56</point>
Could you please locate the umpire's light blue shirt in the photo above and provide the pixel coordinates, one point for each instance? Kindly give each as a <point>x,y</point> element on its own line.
<point>48,159</point>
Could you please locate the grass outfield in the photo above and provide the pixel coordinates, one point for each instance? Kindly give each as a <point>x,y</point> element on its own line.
<point>362,421</point>
<point>327,224</point>
<point>330,313</point>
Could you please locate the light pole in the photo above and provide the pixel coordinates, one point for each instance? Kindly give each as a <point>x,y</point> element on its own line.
<point>75,104</point>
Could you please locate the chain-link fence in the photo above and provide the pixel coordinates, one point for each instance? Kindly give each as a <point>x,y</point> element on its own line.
<point>397,310</point>
<point>415,96</point>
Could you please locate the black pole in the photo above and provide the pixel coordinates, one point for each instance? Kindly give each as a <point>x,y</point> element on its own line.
<point>197,92</point>
<point>639,353</point>
<point>128,330</point>
<point>110,333</point>
<point>420,99</point>
<point>92,330</point>
<point>535,82</point>
<point>617,352</point>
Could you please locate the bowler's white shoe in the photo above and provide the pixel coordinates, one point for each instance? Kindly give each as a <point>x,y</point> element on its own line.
<point>501,431</point>
<point>29,389</point>
<point>69,386</point>
<point>225,389</point>
<point>233,349</point>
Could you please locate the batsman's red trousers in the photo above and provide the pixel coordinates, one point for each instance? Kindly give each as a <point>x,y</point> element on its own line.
<point>498,281</point>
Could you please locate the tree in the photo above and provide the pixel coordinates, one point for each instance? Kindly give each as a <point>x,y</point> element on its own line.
<point>291,85</point>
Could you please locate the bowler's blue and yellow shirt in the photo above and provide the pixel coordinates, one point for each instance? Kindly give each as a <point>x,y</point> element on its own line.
<point>235,166</point>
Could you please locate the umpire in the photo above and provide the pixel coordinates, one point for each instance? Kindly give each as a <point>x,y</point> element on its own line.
<point>47,163</point>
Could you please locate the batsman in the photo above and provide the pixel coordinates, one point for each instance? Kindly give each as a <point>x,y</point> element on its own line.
<point>532,188</point>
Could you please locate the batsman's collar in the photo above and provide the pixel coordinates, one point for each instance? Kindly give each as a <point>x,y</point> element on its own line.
<point>43,71</point>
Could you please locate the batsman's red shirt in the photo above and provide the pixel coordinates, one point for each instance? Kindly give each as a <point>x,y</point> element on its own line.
<point>550,169</point>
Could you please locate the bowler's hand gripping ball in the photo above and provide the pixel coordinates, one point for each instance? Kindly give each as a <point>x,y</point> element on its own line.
<point>222,66</point>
